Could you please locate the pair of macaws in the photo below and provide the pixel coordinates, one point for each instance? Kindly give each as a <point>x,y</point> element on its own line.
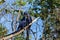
<point>24,21</point>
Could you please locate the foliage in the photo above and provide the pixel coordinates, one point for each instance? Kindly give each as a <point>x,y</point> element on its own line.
<point>48,7</point>
<point>42,9</point>
<point>3,30</point>
<point>19,2</point>
<point>2,1</point>
<point>19,37</point>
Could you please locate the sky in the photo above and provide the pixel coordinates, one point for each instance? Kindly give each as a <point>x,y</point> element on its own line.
<point>33,27</point>
<point>8,24</point>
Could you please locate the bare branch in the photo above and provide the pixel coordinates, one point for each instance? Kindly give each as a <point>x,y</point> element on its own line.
<point>18,32</point>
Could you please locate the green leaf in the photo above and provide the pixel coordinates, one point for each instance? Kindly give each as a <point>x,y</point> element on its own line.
<point>2,1</point>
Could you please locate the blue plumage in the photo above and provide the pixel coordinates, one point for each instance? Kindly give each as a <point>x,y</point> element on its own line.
<point>24,21</point>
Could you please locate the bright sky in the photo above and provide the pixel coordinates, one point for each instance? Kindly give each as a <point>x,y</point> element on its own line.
<point>8,24</point>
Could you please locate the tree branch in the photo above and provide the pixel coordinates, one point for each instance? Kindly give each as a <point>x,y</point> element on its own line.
<point>18,32</point>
